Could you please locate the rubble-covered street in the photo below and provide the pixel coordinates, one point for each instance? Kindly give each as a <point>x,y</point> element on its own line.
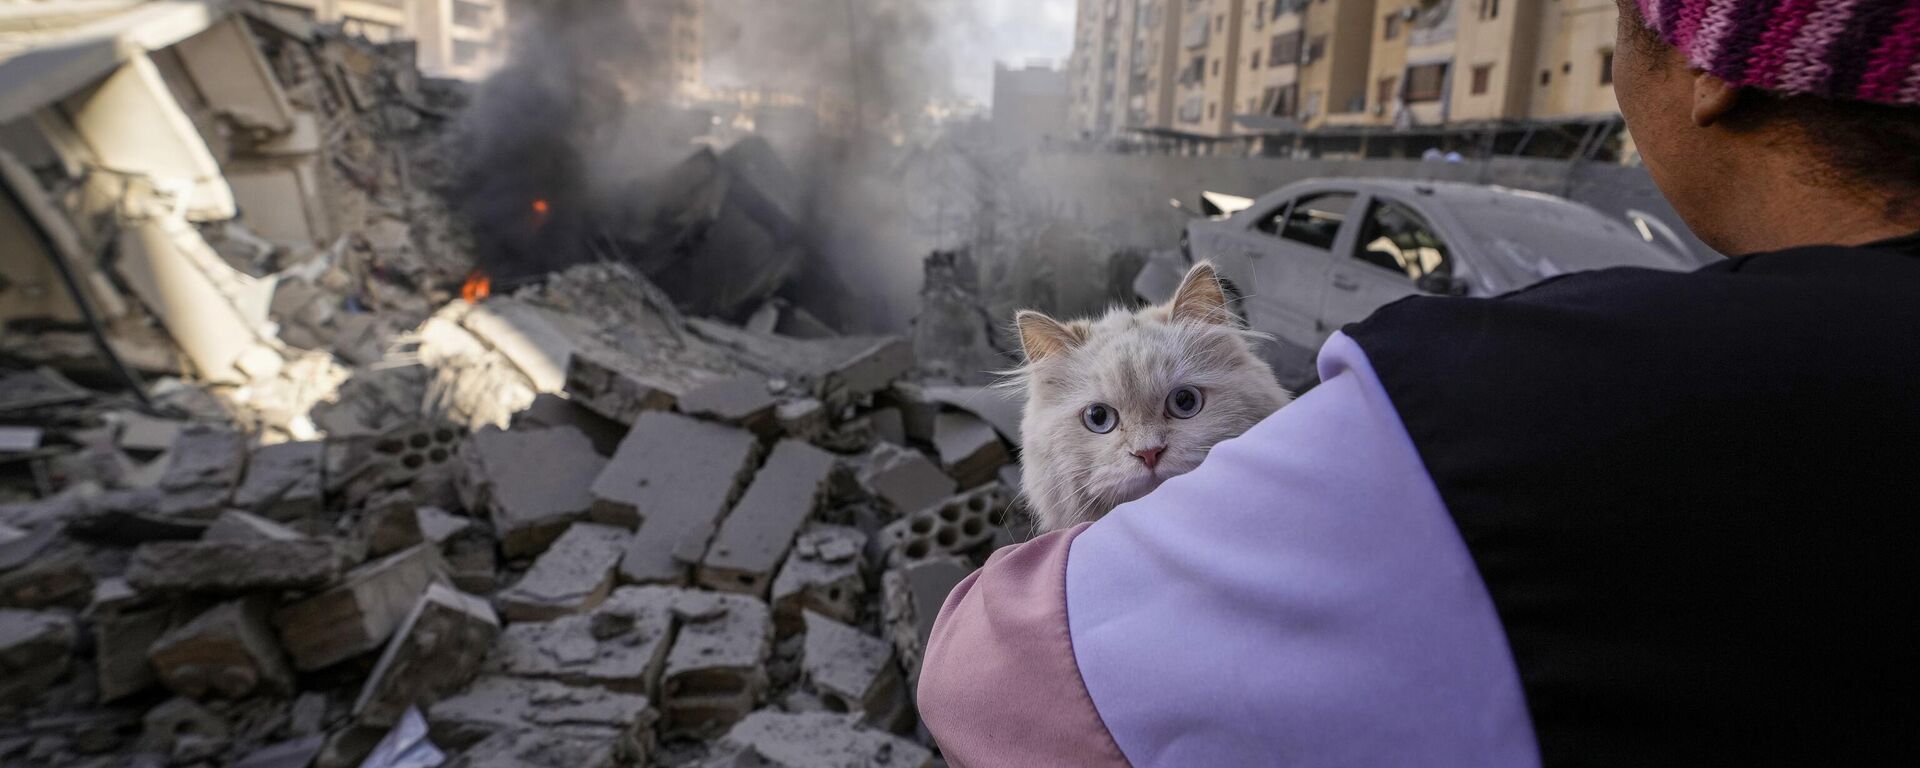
<point>274,504</point>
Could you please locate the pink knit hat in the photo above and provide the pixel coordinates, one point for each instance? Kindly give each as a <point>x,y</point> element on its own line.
<point>1850,49</point>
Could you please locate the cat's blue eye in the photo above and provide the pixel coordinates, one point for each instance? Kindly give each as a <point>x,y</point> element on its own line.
<point>1100,418</point>
<point>1185,402</point>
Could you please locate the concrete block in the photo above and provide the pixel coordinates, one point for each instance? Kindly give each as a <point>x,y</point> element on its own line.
<point>283,481</point>
<point>573,576</point>
<point>233,566</point>
<point>54,577</point>
<point>888,425</point>
<point>868,370</point>
<point>493,705</point>
<point>436,650</point>
<point>35,648</point>
<point>853,672</point>
<point>617,387</point>
<point>822,575</point>
<point>772,739</point>
<point>553,410</point>
<point>716,672</point>
<point>123,630</point>
<point>532,484</point>
<point>472,563</point>
<point>183,732</point>
<point>226,652</point>
<point>903,479</point>
<point>237,526</point>
<point>202,470</point>
<point>292,753</point>
<point>360,613</point>
<point>140,433</point>
<point>621,645</point>
<point>396,457</point>
<point>743,401</point>
<point>673,477</point>
<point>956,526</point>
<point>390,522</point>
<point>911,599</point>
<point>545,749</point>
<point>970,450</point>
<point>755,536</point>
<point>804,419</point>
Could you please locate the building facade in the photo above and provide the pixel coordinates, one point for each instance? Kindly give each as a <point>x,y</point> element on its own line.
<point>1029,104</point>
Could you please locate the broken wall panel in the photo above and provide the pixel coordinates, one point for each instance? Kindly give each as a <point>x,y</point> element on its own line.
<point>133,125</point>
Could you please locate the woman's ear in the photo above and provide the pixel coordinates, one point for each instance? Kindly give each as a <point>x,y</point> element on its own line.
<point>1042,336</point>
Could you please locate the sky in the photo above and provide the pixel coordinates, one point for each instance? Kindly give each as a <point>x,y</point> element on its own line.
<point>1015,30</point>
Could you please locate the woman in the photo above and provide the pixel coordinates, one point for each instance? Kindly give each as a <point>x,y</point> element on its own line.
<point>1621,518</point>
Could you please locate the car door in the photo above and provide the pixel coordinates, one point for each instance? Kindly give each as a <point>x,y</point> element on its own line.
<point>1286,249</point>
<point>1390,248</point>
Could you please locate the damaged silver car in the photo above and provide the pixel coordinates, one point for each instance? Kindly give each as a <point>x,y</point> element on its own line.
<point>1306,259</point>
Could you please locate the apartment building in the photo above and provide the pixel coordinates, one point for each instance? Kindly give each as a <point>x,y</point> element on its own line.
<point>1335,60</point>
<point>1268,95</point>
<point>1573,74</point>
<point>1156,62</point>
<point>1101,67</point>
<point>457,38</point>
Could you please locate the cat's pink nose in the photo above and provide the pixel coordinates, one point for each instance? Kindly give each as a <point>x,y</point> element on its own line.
<point>1150,456</point>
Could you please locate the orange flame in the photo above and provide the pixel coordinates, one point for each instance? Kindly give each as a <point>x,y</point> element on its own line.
<point>540,207</point>
<point>477,287</point>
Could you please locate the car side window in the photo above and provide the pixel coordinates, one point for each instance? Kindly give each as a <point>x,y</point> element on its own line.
<point>1396,239</point>
<point>1316,220</point>
<point>1272,221</point>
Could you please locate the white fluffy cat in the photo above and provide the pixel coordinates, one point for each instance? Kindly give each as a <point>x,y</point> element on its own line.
<point>1115,406</point>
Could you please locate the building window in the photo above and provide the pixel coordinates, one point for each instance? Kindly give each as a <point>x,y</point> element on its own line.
<point>1216,67</point>
<point>1212,109</point>
<point>1390,27</point>
<point>1220,23</point>
<point>1386,92</point>
<point>1260,9</point>
<point>1256,59</point>
<point>1546,76</point>
<point>1482,75</point>
<point>1489,9</point>
<point>1606,67</point>
<point>1426,82</point>
<point>1284,48</point>
<point>1317,48</point>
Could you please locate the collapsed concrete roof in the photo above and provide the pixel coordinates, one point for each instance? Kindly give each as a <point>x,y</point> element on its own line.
<point>50,50</point>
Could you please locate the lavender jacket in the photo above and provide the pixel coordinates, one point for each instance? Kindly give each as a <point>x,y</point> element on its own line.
<point>1625,517</point>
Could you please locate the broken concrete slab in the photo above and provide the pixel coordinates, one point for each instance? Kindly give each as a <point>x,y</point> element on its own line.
<point>54,577</point>
<point>803,419</point>
<point>436,650</point>
<point>815,740</point>
<point>494,705</point>
<point>573,576</point>
<point>617,386</point>
<point>954,527</point>
<point>292,753</point>
<point>35,648</point>
<point>472,563</point>
<point>360,613</point>
<point>822,575</point>
<point>903,479</point>
<point>141,433</point>
<point>390,522</point>
<point>621,646</point>
<point>1002,407</point>
<point>554,410</point>
<point>181,730</point>
<point>130,517</point>
<point>21,546</point>
<point>757,533</point>
<point>716,672</point>
<point>121,638</point>
<point>853,672</point>
<point>226,652</point>
<point>970,449</point>
<point>202,470</point>
<point>235,525</point>
<point>888,424</point>
<point>536,340</point>
<point>233,566</point>
<point>437,526</point>
<point>283,481</point>
<point>743,401</point>
<point>543,749</point>
<point>673,478</point>
<point>533,484</point>
<point>912,598</point>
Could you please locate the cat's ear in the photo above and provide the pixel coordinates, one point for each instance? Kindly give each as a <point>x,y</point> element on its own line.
<point>1200,297</point>
<point>1042,336</point>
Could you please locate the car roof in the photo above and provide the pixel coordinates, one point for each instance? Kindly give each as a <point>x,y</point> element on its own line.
<point>1451,194</point>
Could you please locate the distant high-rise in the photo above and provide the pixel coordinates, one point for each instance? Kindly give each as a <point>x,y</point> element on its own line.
<point>1030,104</point>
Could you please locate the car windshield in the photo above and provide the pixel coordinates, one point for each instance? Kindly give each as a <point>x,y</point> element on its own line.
<point>1540,239</point>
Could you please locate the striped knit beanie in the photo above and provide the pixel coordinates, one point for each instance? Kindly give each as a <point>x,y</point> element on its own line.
<point>1867,50</point>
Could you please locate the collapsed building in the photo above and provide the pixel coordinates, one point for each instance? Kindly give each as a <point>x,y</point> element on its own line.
<point>285,481</point>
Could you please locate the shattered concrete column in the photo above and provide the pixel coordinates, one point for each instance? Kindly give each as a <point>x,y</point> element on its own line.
<point>716,671</point>
<point>853,672</point>
<point>283,481</point>
<point>673,478</point>
<point>227,651</point>
<point>533,484</point>
<point>360,613</point>
<point>573,576</point>
<point>822,575</point>
<point>756,535</point>
<point>34,651</point>
<point>437,649</point>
